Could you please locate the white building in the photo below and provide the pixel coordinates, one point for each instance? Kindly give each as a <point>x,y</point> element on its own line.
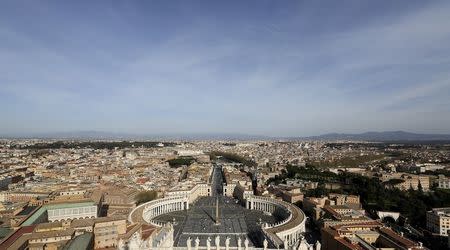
<point>70,211</point>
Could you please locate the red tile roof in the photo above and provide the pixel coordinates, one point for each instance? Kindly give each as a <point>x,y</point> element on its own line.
<point>16,235</point>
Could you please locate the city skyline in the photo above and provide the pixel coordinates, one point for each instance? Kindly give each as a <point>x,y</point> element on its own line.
<point>257,68</point>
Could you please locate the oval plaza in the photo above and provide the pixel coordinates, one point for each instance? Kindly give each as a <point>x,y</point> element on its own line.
<point>222,212</point>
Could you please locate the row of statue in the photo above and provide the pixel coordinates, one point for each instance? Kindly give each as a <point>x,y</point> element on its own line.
<point>302,245</point>
<point>217,243</point>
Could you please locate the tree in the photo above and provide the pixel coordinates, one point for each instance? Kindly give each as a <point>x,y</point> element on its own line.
<point>145,196</point>
<point>420,188</point>
<point>181,161</point>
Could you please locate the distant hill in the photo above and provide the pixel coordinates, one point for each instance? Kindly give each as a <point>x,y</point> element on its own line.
<point>101,135</point>
<point>383,136</point>
<point>71,135</point>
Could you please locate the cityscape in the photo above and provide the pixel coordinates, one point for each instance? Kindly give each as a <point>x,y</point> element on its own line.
<point>235,194</point>
<point>224,125</point>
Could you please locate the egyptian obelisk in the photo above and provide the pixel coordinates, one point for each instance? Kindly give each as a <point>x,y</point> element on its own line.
<point>217,212</point>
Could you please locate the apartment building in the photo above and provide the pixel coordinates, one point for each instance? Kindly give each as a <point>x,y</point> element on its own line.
<point>370,235</point>
<point>438,221</point>
<point>443,182</point>
<point>408,181</point>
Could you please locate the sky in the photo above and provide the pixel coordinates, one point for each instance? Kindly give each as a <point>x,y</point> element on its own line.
<point>276,68</point>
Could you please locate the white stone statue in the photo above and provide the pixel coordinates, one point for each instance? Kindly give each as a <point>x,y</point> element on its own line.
<point>318,245</point>
<point>239,243</point>
<point>227,243</point>
<point>208,243</point>
<point>188,243</point>
<point>197,243</point>
<point>217,242</point>
<point>246,243</point>
<point>303,245</point>
<point>265,243</point>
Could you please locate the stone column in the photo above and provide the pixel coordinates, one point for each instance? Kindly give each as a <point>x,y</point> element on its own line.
<point>239,243</point>
<point>227,243</point>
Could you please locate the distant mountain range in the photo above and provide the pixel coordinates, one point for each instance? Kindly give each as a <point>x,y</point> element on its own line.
<point>383,136</point>
<point>368,136</point>
<point>86,135</point>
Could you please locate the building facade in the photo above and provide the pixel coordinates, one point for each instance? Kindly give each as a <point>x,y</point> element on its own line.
<point>438,221</point>
<point>70,211</point>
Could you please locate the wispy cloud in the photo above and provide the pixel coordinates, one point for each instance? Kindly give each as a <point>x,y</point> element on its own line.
<point>251,69</point>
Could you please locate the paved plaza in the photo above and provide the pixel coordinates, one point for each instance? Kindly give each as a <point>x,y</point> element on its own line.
<point>235,222</point>
<point>200,220</point>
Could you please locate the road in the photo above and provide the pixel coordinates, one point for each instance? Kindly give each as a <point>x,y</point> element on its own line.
<point>217,181</point>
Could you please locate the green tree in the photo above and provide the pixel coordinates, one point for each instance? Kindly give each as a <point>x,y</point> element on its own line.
<point>174,163</point>
<point>145,196</point>
<point>420,188</point>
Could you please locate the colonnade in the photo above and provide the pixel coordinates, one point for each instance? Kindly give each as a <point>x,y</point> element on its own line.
<point>269,205</point>
<point>285,232</point>
<point>290,238</point>
<point>263,206</point>
<point>157,207</point>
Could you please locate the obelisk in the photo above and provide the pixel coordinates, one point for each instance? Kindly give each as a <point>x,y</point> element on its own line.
<point>217,212</point>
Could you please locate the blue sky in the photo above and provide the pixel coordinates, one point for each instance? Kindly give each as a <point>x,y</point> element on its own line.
<point>281,68</point>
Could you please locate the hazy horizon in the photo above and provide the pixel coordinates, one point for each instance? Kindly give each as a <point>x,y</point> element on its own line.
<point>399,135</point>
<point>256,68</point>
